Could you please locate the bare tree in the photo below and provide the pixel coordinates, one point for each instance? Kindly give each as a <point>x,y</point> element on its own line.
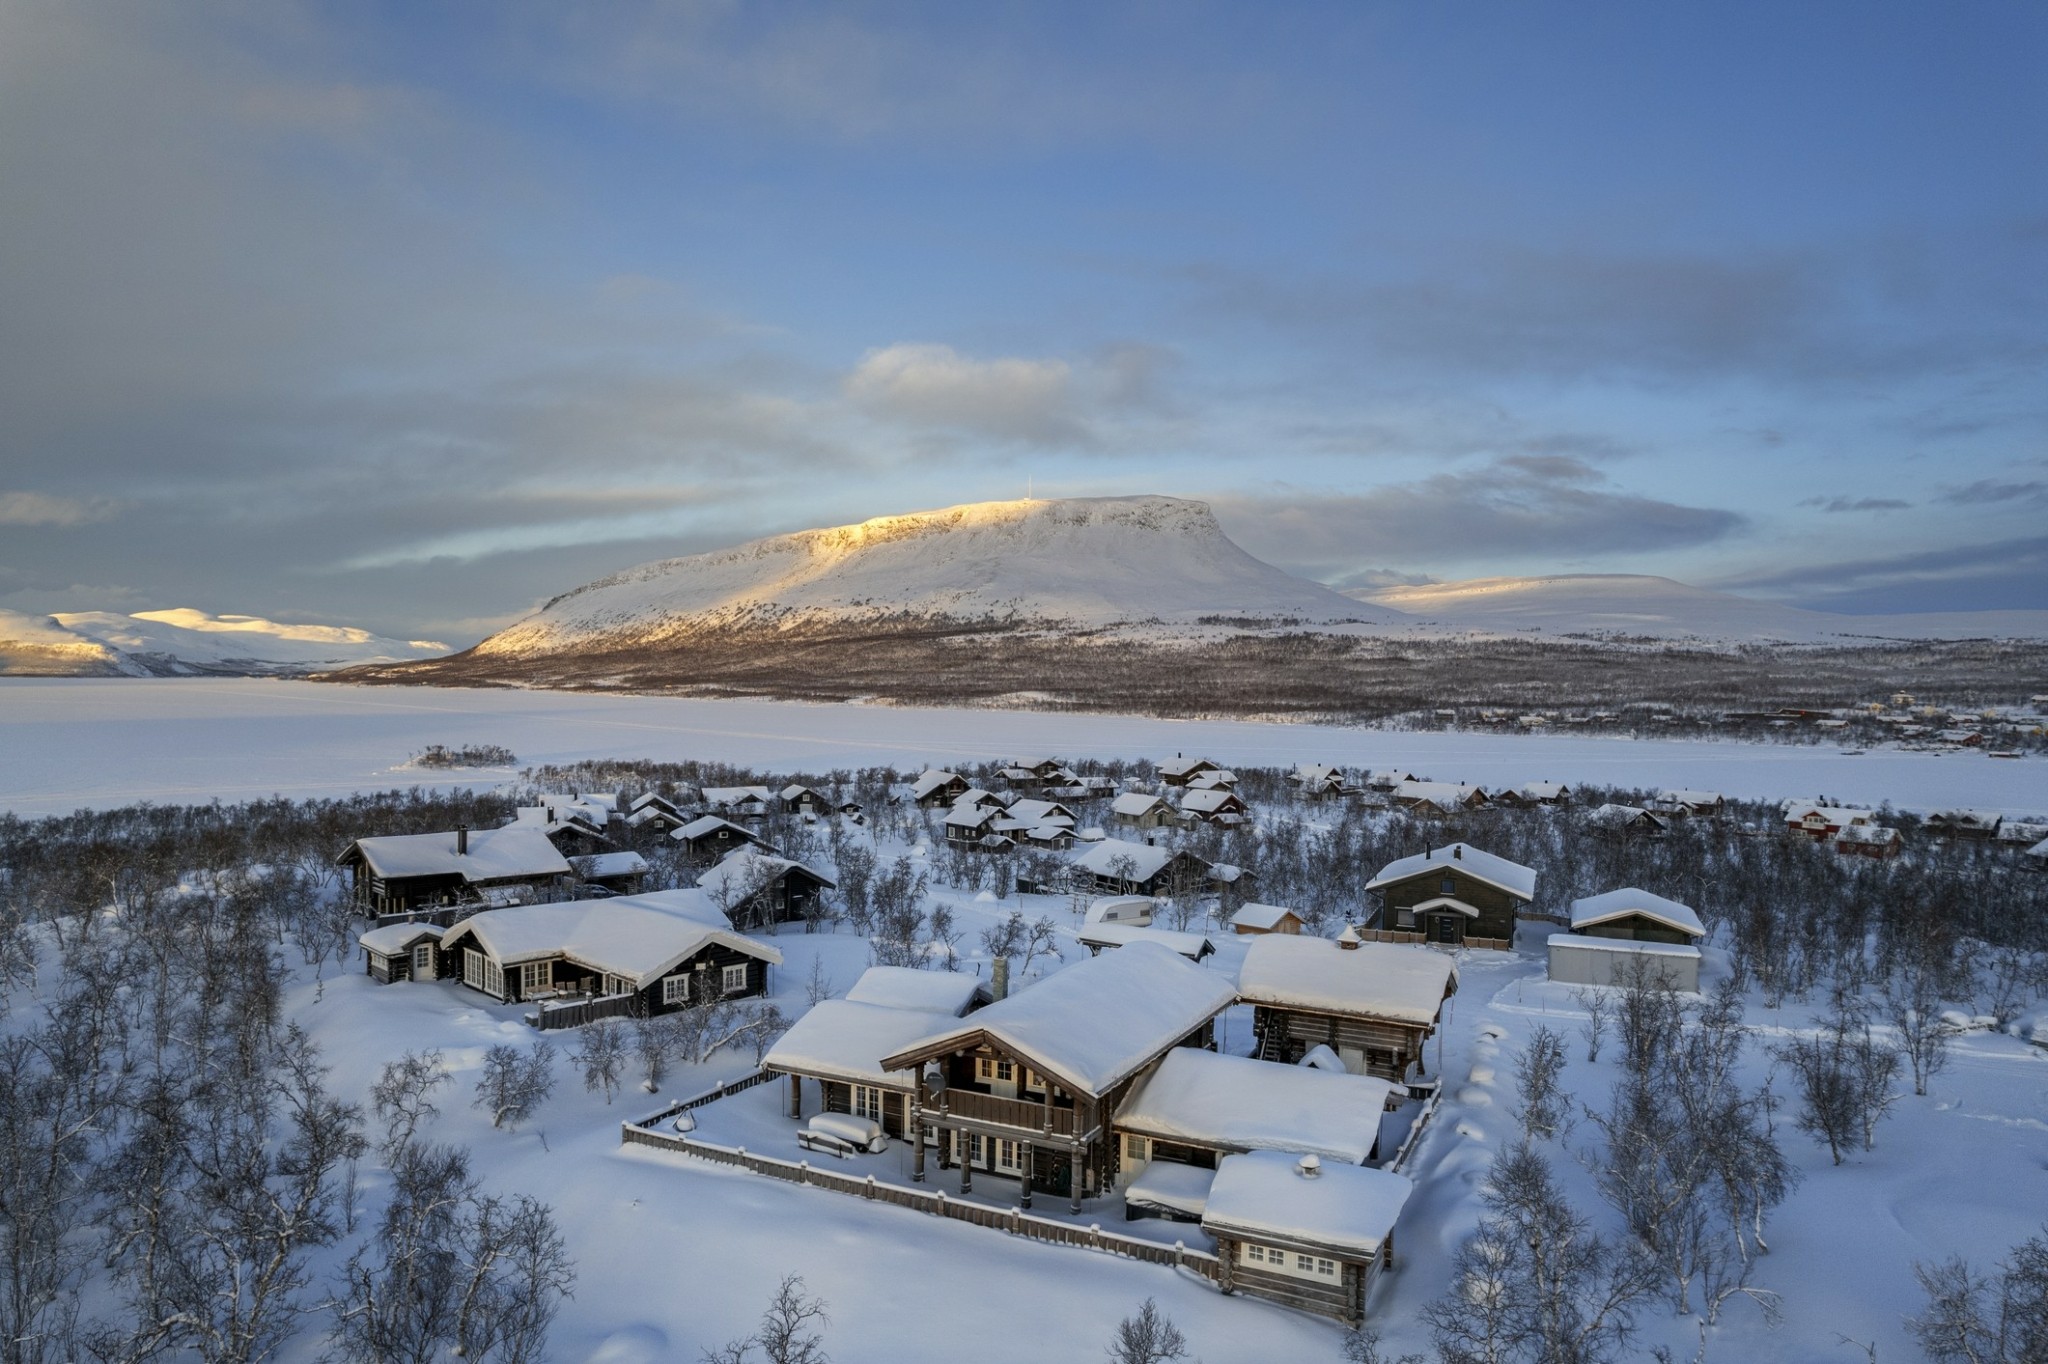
<point>1539,1070</point>
<point>1912,1005</point>
<point>1150,1337</point>
<point>515,1084</point>
<point>601,1051</point>
<point>1599,1007</point>
<point>402,1097</point>
<point>1974,1319</point>
<point>789,1332</point>
<point>1845,1078</point>
<point>818,987</point>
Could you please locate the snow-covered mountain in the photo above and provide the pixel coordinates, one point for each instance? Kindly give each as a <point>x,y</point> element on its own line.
<point>1080,563</point>
<point>1625,604</point>
<point>185,642</point>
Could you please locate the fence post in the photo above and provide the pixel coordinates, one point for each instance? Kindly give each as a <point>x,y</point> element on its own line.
<point>804,1172</point>
<point>869,1191</point>
<point>939,1202</point>
<point>1095,1235</point>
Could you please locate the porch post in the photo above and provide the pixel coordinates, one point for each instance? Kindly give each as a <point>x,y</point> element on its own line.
<point>916,1130</point>
<point>1076,1172</point>
<point>1025,1151</point>
<point>967,1164</point>
<point>796,1095</point>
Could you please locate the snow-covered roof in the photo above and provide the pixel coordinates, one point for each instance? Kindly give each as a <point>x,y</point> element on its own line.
<point>1440,793</point>
<point>687,902</point>
<point>1268,917</point>
<point>654,798</point>
<point>710,824</point>
<point>1799,812</point>
<point>1214,777</point>
<point>1684,796</point>
<point>1146,860</point>
<point>903,987</point>
<point>964,816</point>
<point>843,1039</point>
<point>1209,800</point>
<point>1035,812</point>
<point>750,866</point>
<point>1613,816</point>
<point>795,789</point>
<point>931,780</point>
<point>1180,767</point>
<point>1656,949</point>
<point>1263,1196</point>
<point>1171,1185</point>
<point>1541,790</point>
<point>621,936</point>
<point>1619,904</point>
<point>1193,946</point>
<point>1234,1103</point>
<point>494,855</point>
<point>554,815</point>
<point>391,939</point>
<point>1512,877</point>
<point>1966,819</point>
<point>737,795</point>
<point>1373,980</point>
<point>1096,1022</point>
<point>595,865</point>
<point>1135,803</point>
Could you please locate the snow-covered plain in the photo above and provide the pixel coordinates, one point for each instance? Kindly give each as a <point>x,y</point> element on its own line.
<point>70,743</point>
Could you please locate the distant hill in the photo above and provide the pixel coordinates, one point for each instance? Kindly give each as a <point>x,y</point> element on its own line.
<point>185,643</point>
<point>1624,605</point>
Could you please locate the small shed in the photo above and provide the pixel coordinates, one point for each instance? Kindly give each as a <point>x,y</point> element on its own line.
<point>1302,1231</point>
<point>1254,918</point>
<point>1095,937</point>
<point>1578,959</point>
<point>402,952</point>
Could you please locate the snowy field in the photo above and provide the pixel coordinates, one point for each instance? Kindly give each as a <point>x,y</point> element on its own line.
<point>72,743</point>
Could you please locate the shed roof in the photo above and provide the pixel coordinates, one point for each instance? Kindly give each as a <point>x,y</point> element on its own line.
<point>1512,877</point>
<point>1262,1196</point>
<point>1620,904</point>
<point>1235,1103</point>
<point>1373,980</point>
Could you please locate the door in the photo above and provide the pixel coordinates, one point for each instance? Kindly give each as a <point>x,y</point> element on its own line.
<point>423,962</point>
<point>1447,928</point>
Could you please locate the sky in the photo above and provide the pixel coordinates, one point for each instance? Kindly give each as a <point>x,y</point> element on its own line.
<point>412,315</point>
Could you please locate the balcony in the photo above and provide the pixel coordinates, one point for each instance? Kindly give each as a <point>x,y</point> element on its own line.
<point>1025,1115</point>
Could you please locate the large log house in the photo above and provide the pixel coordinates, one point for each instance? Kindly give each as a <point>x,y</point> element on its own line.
<point>1374,1004</point>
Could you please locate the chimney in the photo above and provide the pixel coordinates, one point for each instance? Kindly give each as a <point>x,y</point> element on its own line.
<point>1309,1167</point>
<point>1348,939</point>
<point>462,840</point>
<point>1458,851</point>
<point>999,978</point>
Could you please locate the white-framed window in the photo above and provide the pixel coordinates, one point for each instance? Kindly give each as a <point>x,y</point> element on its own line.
<point>675,989</point>
<point>479,972</point>
<point>1292,1263</point>
<point>1006,1155</point>
<point>867,1102</point>
<point>735,979</point>
<point>1137,1149</point>
<point>617,985</point>
<point>536,977</point>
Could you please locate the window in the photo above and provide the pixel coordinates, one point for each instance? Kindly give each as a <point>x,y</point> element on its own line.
<point>1449,885</point>
<point>479,972</point>
<point>1006,1071</point>
<point>735,979</point>
<point>867,1102</point>
<point>423,961</point>
<point>1295,1265</point>
<point>1137,1150</point>
<point>536,977</point>
<point>675,989</point>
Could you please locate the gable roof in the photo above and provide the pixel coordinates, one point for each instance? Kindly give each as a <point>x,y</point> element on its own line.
<point>931,780</point>
<point>1373,980</point>
<point>737,795</point>
<point>711,824</point>
<point>1620,904</point>
<point>1236,1103</point>
<point>518,851</point>
<point>1209,800</point>
<point>1512,877</point>
<point>737,867</point>
<point>624,936</point>
<point>1147,860</point>
<point>1443,794</point>
<point>1180,767</point>
<point>844,1039</point>
<point>1135,803</point>
<point>905,987</point>
<point>1103,933</point>
<point>1255,915</point>
<point>593,865</point>
<point>391,939</point>
<point>1095,1023</point>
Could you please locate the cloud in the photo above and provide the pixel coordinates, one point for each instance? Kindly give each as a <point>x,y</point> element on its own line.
<point>1990,492</point>
<point>935,386</point>
<point>45,509</point>
<point>1542,506</point>
<point>2001,575</point>
<point>1859,504</point>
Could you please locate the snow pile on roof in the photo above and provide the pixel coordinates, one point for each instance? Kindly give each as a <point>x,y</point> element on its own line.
<point>1101,1020</point>
<point>494,855</point>
<point>1181,767</point>
<point>1613,816</point>
<point>594,865</point>
<point>1169,1185</point>
<point>1512,877</point>
<point>931,780</point>
<point>685,903</point>
<point>1442,794</point>
<point>391,939</point>
<point>1193,946</point>
<point>1135,804</point>
<point>619,937</point>
<point>1637,945</point>
<point>1209,800</point>
<point>1619,904</point>
<point>1263,1196</point>
<point>726,797</point>
<point>1695,799</point>
<point>711,824</point>
<point>844,1039</point>
<point>746,869</point>
<point>1541,790</point>
<point>1258,916</point>
<point>902,987</point>
<point>1234,1103</point>
<point>1374,980</point>
<point>1121,858</point>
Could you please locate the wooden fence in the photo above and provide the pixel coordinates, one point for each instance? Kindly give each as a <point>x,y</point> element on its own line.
<point>576,1013</point>
<point>1401,936</point>
<point>698,1100</point>
<point>1416,1129</point>
<point>1013,1220</point>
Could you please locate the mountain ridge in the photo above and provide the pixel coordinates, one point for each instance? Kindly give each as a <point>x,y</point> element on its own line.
<point>183,642</point>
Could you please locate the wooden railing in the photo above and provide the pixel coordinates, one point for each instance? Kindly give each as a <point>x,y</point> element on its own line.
<point>1013,1220</point>
<point>699,1099</point>
<point>993,1108</point>
<point>1403,936</point>
<point>575,1013</point>
<point>1416,1129</point>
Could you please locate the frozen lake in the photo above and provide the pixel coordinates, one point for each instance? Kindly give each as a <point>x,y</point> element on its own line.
<point>72,743</point>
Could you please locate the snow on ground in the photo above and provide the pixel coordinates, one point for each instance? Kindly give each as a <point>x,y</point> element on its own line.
<point>72,742</point>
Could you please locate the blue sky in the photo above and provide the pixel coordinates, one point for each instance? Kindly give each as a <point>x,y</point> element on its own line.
<point>412,315</point>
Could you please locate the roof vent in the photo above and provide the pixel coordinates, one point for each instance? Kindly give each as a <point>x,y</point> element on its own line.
<point>1309,1167</point>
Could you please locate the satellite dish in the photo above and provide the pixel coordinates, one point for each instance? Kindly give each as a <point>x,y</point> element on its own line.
<point>934,1076</point>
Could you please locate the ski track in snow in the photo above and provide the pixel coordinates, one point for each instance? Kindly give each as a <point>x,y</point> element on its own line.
<point>72,743</point>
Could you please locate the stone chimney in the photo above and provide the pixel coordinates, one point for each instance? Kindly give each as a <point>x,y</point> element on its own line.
<point>462,840</point>
<point>999,978</point>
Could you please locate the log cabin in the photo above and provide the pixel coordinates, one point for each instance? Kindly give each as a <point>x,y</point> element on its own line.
<point>757,889</point>
<point>1875,841</point>
<point>1115,867</point>
<point>840,1042</point>
<point>402,951</point>
<point>1711,804</point>
<point>1025,1088</point>
<point>1374,1004</point>
<point>1215,779</point>
<point>395,874</point>
<point>934,790</point>
<point>621,873</point>
<point>574,830</point>
<point>1254,918</point>
<point>1317,781</point>
<point>798,799</point>
<point>1179,769</point>
<point>1452,893</point>
<point>1140,810</point>
<point>1626,821</point>
<point>1303,1232</point>
<point>1213,805</point>
<point>1438,797</point>
<point>668,949</point>
<point>739,802</point>
<point>707,839</point>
